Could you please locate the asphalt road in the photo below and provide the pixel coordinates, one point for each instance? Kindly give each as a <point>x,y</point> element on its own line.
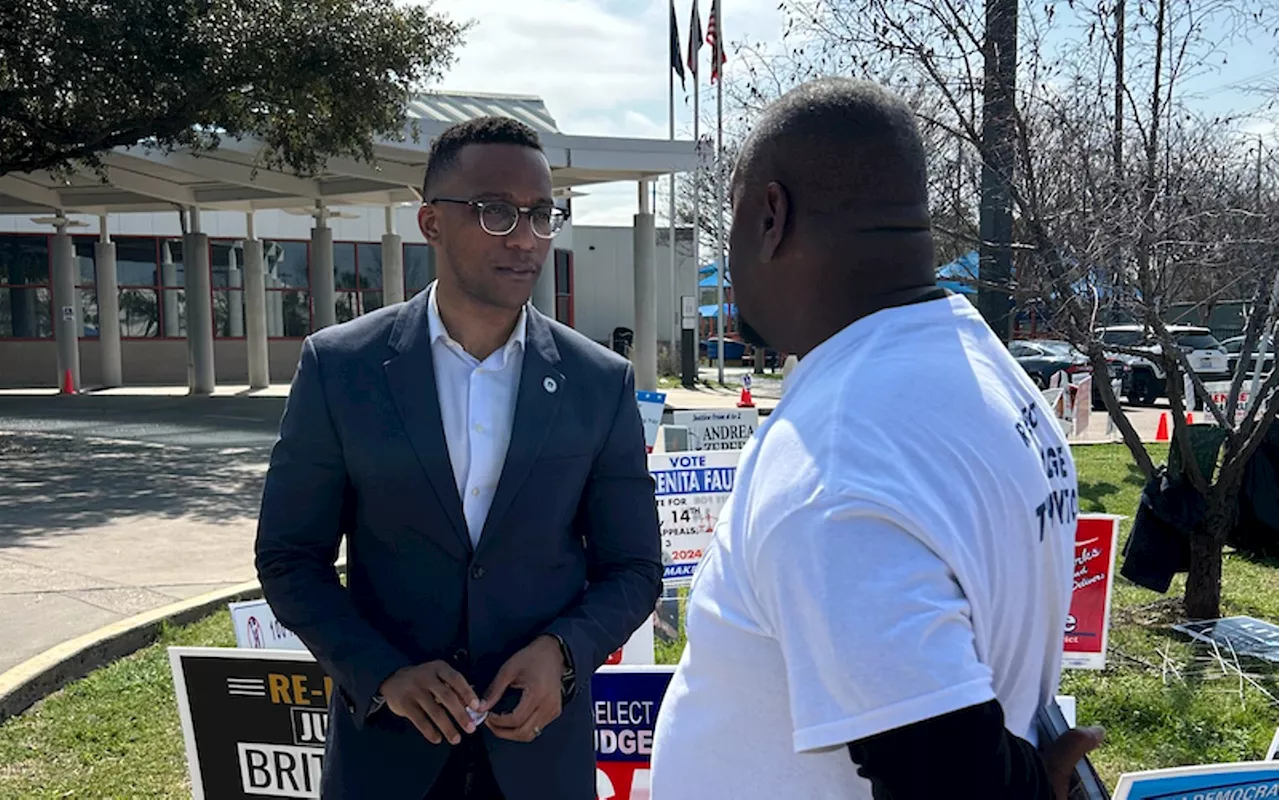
<point>200,422</point>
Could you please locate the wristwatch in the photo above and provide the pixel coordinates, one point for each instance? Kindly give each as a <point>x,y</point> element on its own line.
<point>568,678</point>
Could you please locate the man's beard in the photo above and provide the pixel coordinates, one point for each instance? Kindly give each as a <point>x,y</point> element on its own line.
<point>749,334</point>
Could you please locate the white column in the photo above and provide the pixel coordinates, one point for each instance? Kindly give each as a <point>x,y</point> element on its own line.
<point>104,259</point>
<point>323,297</point>
<point>169,280</point>
<point>255,307</point>
<point>66,307</point>
<point>644,352</point>
<point>392,262</point>
<point>544,291</point>
<point>199,302</point>
<point>235,297</point>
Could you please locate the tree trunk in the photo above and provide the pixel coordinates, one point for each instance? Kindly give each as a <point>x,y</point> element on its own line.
<point>1203,598</point>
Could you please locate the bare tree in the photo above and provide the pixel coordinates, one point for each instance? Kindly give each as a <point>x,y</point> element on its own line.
<point>1126,200</point>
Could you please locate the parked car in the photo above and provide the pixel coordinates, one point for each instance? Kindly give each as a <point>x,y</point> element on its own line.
<point>733,349</point>
<point>1145,378</point>
<point>1043,358</point>
<point>1235,344</point>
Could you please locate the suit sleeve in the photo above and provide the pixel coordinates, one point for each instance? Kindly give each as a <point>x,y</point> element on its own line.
<point>299,529</point>
<point>619,520</point>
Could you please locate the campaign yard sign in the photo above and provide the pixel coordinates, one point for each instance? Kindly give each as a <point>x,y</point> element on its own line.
<point>1254,780</point>
<point>256,627</point>
<point>254,721</point>
<point>1219,391</point>
<point>720,429</point>
<point>651,405</point>
<point>691,488</point>
<point>626,701</point>
<point>638,649</point>
<point>1084,642</point>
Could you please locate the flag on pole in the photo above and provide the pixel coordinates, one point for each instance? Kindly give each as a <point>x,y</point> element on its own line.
<point>695,40</point>
<point>715,39</point>
<point>676,63</point>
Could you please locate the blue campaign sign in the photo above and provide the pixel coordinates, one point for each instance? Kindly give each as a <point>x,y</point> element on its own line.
<point>625,703</point>
<point>1245,781</point>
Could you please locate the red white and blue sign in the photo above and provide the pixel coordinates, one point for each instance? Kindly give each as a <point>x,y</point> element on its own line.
<point>626,701</point>
<point>1084,641</point>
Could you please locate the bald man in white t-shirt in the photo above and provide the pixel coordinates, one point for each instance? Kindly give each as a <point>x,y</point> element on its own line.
<point>880,612</point>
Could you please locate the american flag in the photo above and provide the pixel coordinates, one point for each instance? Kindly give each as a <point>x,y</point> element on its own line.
<point>713,38</point>
<point>695,39</point>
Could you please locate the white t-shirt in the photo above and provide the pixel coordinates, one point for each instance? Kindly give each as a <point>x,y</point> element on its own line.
<point>898,546</point>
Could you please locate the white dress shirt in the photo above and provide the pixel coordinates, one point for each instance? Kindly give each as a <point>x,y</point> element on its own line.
<point>477,409</point>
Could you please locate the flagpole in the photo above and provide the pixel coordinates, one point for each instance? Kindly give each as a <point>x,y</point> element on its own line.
<point>724,265</point>
<point>674,311</point>
<point>694,44</point>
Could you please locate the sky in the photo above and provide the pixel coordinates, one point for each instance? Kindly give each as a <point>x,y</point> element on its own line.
<point>601,67</point>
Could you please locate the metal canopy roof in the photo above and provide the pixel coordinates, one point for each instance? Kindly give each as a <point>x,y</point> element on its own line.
<point>139,179</point>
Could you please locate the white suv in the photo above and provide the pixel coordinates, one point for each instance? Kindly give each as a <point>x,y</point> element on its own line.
<point>1145,379</point>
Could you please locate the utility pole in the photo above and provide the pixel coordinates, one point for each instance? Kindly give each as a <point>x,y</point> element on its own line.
<point>995,220</point>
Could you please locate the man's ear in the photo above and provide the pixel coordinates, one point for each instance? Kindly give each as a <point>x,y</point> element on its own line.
<point>777,214</point>
<point>429,223</point>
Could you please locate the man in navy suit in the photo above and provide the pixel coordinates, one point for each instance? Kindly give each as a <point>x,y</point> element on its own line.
<point>487,466</point>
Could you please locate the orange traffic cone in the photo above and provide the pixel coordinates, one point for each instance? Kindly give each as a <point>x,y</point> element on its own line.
<point>68,383</point>
<point>1162,430</point>
<point>744,398</point>
<point>1191,418</point>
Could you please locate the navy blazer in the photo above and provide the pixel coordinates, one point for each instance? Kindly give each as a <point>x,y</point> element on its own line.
<point>570,546</point>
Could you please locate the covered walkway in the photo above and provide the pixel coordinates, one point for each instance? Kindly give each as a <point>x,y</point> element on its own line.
<point>231,178</point>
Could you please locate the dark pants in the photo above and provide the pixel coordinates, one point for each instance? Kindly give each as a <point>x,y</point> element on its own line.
<point>467,774</point>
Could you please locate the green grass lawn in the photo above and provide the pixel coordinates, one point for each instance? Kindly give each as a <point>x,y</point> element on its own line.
<point>113,734</point>
<point>116,733</point>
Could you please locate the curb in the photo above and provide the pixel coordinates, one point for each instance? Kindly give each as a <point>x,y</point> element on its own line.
<point>40,676</point>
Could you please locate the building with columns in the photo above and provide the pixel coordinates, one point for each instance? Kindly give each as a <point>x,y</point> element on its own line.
<point>206,269</point>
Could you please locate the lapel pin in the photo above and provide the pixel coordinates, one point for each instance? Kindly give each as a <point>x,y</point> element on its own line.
<point>550,385</point>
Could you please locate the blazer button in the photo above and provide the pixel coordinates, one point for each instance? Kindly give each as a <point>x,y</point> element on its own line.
<point>477,572</point>
<point>460,657</point>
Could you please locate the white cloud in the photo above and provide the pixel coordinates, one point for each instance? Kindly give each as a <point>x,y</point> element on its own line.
<point>600,65</point>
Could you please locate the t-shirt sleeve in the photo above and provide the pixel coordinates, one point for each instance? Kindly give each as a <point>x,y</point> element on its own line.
<point>874,628</point>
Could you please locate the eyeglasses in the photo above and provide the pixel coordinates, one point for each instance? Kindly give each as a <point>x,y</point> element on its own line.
<point>499,218</point>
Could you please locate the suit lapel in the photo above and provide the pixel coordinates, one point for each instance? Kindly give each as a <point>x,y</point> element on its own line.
<point>411,376</point>
<point>538,400</point>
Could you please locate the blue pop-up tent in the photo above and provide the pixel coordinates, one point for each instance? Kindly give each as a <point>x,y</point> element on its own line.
<point>960,275</point>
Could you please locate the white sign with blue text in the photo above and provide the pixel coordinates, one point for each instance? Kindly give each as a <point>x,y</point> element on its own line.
<point>691,488</point>
<point>651,406</point>
<point>257,628</point>
<point>1253,780</point>
<point>718,428</point>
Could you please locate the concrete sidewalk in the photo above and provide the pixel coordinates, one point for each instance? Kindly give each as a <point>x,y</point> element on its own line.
<point>96,530</point>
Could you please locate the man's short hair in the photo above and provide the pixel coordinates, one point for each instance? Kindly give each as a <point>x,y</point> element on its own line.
<point>842,143</point>
<point>443,154</point>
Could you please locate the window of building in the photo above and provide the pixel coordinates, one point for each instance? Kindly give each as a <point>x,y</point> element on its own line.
<point>345,281</point>
<point>288,288</point>
<point>86,285</point>
<point>419,268</point>
<point>564,286</point>
<point>26,296</point>
<point>226,266</point>
<point>369,269</point>
<point>171,278</point>
<point>137,273</point>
